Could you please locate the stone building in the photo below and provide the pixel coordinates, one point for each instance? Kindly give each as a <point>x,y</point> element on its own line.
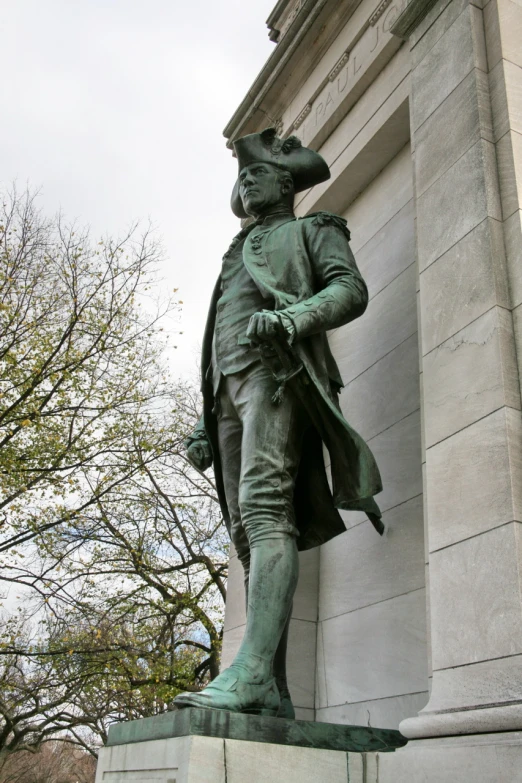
<point>417,108</point>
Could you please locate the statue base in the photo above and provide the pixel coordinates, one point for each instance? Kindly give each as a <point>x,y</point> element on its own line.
<point>212,746</point>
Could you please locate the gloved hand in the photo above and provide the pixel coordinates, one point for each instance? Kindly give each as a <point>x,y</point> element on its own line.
<point>268,325</point>
<point>199,453</point>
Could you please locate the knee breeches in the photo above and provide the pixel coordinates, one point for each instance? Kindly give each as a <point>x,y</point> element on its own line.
<point>260,448</point>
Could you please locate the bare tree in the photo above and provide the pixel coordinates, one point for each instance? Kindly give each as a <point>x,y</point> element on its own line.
<point>113,543</point>
<point>78,354</point>
<point>53,762</point>
<point>130,598</point>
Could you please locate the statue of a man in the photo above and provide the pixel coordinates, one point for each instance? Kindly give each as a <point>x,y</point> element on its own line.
<point>270,389</point>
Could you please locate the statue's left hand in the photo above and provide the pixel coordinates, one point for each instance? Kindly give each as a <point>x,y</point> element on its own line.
<point>199,454</point>
<point>264,327</point>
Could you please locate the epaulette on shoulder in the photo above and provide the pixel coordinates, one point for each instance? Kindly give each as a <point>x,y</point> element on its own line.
<point>329,219</point>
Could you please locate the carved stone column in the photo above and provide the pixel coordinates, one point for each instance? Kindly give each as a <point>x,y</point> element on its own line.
<point>466,126</point>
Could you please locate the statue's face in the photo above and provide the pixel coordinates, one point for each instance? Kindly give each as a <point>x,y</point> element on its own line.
<point>261,187</point>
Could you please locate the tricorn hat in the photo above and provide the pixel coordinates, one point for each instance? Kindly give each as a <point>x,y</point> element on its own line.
<point>306,166</point>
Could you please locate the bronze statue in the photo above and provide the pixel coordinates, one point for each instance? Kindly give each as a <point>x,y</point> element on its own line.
<point>270,390</point>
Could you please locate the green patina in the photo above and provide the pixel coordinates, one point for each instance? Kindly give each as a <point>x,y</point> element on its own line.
<point>270,391</point>
<point>253,728</point>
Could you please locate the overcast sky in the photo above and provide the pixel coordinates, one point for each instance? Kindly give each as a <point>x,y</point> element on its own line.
<point>115,109</point>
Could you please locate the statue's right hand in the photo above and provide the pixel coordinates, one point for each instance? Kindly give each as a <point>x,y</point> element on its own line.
<point>199,454</point>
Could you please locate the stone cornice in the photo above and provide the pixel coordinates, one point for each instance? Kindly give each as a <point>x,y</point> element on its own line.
<point>285,19</point>
<point>274,20</point>
<point>309,11</point>
<point>411,17</point>
<point>336,70</point>
<point>374,18</point>
<point>291,71</point>
<point>304,114</point>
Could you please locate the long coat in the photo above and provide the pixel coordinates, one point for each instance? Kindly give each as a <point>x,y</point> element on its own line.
<point>307,268</point>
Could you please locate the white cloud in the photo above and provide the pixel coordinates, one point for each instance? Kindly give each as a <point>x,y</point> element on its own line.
<point>116,109</point>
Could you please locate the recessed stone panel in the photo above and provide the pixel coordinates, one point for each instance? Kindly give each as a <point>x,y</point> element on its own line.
<point>367,403</point>
<point>376,652</point>
<point>379,713</point>
<point>361,568</point>
<point>389,252</point>
<point>389,192</point>
<point>390,319</point>
<point>475,599</point>
<point>190,759</point>
<point>235,607</point>
<point>399,457</point>
<point>474,479</point>
<point>301,662</point>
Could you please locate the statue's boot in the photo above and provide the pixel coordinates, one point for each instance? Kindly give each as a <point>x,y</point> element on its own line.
<point>286,708</point>
<point>229,691</point>
<point>248,685</point>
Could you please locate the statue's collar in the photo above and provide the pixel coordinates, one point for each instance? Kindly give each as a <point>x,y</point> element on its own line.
<point>273,220</point>
<point>270,221</point>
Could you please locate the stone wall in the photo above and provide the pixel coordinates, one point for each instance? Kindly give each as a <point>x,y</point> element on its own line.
<point>372,660</point>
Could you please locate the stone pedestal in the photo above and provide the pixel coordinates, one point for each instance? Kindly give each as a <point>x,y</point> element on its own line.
<point>486,758</point>
<point>213,760</point>
<point>210,746</point>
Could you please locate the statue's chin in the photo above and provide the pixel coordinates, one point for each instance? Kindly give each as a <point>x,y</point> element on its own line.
<point>252,209</point>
